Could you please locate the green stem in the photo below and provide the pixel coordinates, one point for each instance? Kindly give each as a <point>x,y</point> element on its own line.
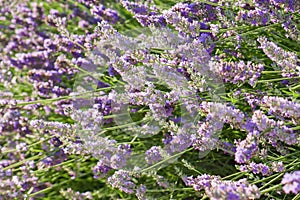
<point>21,162</point>
<point>251,31</point>
<point>171,190</point>
<point>271,72</point>
<point>45,101</point>
<point>274,179</point>
<point>282,157</point>
<point>33,144</point>
<point>295,87</point>
<point>296,128</point>
<point>277,79</point>
<point>266,178</point>
<point>270,189</point>
<point>54,186</point>
<point>58,165</point>
<point>169,158</point>
<point>296,197</point>
<point>123,126</point>
<point>122,114</point>
<point>233,175</point>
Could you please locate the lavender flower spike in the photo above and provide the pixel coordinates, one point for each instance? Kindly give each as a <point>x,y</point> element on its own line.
<point>291,182</point>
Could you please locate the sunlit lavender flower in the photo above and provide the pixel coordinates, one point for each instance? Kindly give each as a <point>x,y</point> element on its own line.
<point>182,139</point>
<point>216,189</point>
<point>100,169</point>
<point>255,17</point>
<point>196,10</point>
<point>273,130</point>
<point>280,106</point>
<point>237,72</point>
<point>207,135</point>
<point>186,26</point>
<point>71,194</point>
<point>223,113</point>
<point>108,14</point>
<point>277,166</point>
<point>288,5</point>
<point>153,155</point>
<point>122,180</point>
<point>288,61</point>
<point>247,148</point>
<point>144,13</point>
<point>259,168</point>
<point>291,182</point>
<point>140,192</point>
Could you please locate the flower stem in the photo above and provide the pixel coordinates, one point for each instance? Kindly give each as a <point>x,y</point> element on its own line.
<point>169,158</point>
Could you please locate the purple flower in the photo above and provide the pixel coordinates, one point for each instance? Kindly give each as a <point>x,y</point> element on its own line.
<point>215,188</point>
<point>237,72</point>
<point>122,180</point>
<point>247,148</point>
<point>100,170</point>
<point>280,106</point>
<point>140,192</point>
<point>153,155</point>
<point>291,182</point>
<point>285,59</point>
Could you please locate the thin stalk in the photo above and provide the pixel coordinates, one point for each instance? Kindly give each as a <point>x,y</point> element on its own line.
<point>169,158</point>
<point>273,180</point>
<point>277,79</point>
<point>171,190</point>
<point>31,145</point>
<point>54,186</point>
<point>45,101</point>
<point>22,162</point>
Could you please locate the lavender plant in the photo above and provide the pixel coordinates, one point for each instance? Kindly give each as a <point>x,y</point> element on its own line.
<point>149,99</point>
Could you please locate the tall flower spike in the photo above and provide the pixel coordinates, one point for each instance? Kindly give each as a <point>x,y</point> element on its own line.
<point>291,182</point>
<point>237,72</point>
<point>122,180</point>
<point>273,130</point>
<point>217,189</point>
<point>288,61</point>
<point>280,106</point>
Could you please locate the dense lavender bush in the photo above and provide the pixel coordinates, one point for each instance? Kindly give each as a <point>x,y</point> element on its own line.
<point>150,99</point>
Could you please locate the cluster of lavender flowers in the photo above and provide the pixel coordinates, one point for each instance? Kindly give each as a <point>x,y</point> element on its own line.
<point>238,72</point>
<point>80,99</point>
<point>287,61</point>
<point>216,188</point>
<point>291,182</point>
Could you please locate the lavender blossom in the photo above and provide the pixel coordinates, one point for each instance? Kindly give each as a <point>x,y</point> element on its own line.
<point>182,139</point>
<point>100,170</point>
<point>223,113</point>
<point>207,136</point>
<point>291,182</point>
<point>153,155</point>
<point>187,27</point>
<point>237,72</point>
<point>145,14</point>
<point>286,60</point>
<point>215,188</point>
<point>255,17</point>
<point>140,192</point>
<point>122,180</point>
<point>258,168</point>
<point>247,148</point>
<point>273,130</point>
<point>280,106</point>
<point>108,14</point>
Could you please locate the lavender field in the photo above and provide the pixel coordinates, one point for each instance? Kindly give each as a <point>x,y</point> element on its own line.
<point>150,99</point>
